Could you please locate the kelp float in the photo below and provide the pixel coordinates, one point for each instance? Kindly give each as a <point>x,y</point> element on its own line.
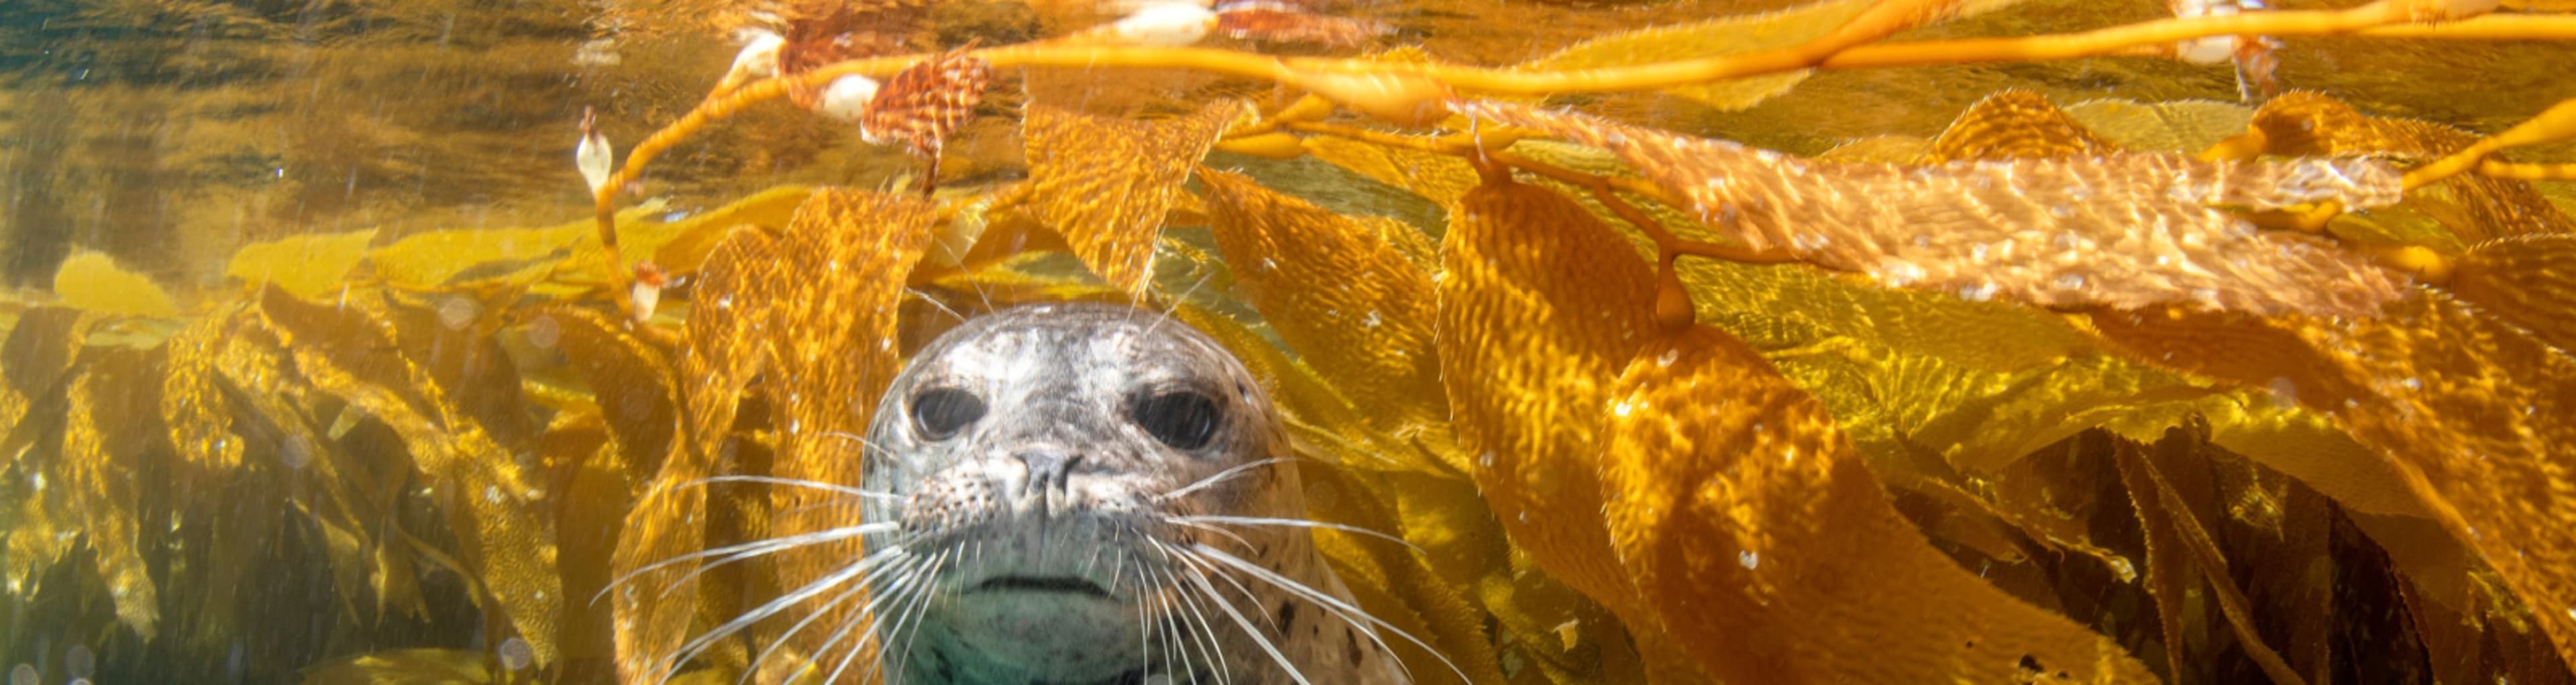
<point>2097,392</point>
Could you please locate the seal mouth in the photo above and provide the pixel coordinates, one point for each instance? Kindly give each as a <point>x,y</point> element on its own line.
<point>1060,584</point>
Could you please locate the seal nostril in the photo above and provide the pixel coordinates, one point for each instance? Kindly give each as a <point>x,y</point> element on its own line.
<point>1048,469</point>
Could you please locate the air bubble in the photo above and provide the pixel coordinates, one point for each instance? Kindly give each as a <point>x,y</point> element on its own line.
<point>515,654</point>
<point>1749,559</point>
<point>24,675</point>
<point>544,332</point>
<point>2285,392</point>
<point>79,662</point>
<point>296,452</point>
<point>1668,357</point>
<point>456,312</point>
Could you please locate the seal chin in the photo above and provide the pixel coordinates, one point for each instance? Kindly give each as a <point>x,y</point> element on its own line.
<point>1053,635</point>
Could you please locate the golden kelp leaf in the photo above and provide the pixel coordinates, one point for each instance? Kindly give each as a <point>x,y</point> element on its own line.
<point>1346,300</point>
<point>104,444</point>
<point>248,379</point>
<point>1884,149</point>
<point>405,667</point>
<point>1808,306</point>
<point>305,265</point>
<point>2123,230</point>
<point>2016,124</point>
<point>632,382</point>
<point>2476,207</point>
<point>1752,525</point>
<point>1539,307</point>
<point>681,246</point>
<point>195,409</point>
<point>727,335</point>
<point>1439,178</point>
<point>1997,422</point>
<point>427,261</point>
<point>1775,306</point>
<point>1105,183</point>
<point>1716,37</point>
<point>93,281</point>
<point>1315,411</point>
<point>598,487</point>
<point>40,349</point>
<point>2184,548</point>
<point>345,352</point>
<point>43,519</point>
<point>2176,126</point>
<point>452,338</point>
<point>846,258</point>
<point>2471,409</point>
<point>1385,577</point>
<point>2053,497</point>
<point>2528,281</point>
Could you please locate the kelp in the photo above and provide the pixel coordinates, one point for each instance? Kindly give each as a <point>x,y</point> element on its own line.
<point>2112,391</point>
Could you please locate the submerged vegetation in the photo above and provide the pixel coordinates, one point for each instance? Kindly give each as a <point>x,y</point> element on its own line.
<point>2220,348</point>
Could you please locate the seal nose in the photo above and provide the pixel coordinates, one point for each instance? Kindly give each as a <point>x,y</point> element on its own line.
<point>1048,470</point>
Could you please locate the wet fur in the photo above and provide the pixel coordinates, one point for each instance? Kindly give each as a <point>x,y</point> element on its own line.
<point>1188,599</point>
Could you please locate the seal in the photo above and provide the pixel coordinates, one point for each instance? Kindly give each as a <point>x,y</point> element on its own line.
<point>1078,493</point>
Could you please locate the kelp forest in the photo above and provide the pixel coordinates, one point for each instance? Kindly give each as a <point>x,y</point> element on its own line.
<point>1651,341</point>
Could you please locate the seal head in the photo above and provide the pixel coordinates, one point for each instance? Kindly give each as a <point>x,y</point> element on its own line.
<point>1079,493</point>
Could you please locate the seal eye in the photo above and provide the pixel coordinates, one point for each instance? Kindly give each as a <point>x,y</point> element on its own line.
<point>939,412</point>
<point>1184,419</point>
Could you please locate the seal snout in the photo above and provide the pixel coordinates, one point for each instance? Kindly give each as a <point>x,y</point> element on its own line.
<point>1048,468</point>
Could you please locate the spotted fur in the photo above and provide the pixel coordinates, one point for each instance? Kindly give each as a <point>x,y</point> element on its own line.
<point>1074,530</point>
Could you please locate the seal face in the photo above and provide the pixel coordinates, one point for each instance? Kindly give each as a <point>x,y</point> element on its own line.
<point>1088,493</point>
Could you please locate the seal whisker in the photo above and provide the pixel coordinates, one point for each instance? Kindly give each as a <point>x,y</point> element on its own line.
<point>699,644</point>
<point>1293,523</point>
<point>797,482</point>
<point>1267,646</point>
<point>1195,525</point>
<point>733,553</point>
<point>918,589</point>
<point>896,591</point>
<point>866,608</point>
<point>943,306</point>
<point>1343,610</point>
<point>1219,476</point>
<point>1193,560</point>
<point>1177,301</point>
<point>1225,672</point>
<point>1175,642</point>
<point>1145,628</point>
<point>861,439</point>
<point>910,620</point>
